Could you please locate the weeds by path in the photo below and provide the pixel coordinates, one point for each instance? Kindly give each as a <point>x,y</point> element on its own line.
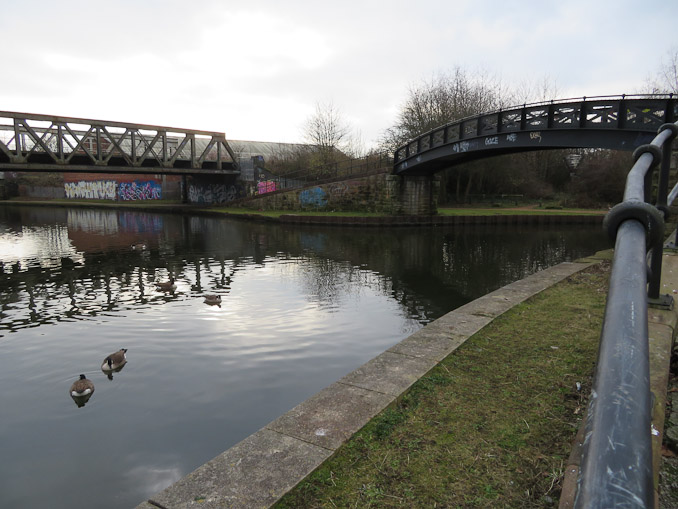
<point>491,426</point>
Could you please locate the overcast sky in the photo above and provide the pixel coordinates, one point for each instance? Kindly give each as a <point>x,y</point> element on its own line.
<point>255,70</point>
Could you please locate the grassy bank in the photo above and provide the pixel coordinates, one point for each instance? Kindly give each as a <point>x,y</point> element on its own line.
<point>491,426</point>
<point>475,211</point>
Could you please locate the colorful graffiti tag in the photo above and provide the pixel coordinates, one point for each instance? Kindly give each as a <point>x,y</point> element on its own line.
<point>265,186</point>
<point>139,190</point>
<point>90,189</point>
<point>316,198</point>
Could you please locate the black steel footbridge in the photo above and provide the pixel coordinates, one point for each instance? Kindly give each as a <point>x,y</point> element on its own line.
<point>612,122</point>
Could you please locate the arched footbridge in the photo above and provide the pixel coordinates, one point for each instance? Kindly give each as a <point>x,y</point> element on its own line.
<point>610,122</point>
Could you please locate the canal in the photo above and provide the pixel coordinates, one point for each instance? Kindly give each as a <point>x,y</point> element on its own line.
<point>300,307</point>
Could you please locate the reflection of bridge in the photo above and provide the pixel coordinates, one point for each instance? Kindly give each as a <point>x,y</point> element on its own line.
<point>42,143</point>
<point>619,122</point>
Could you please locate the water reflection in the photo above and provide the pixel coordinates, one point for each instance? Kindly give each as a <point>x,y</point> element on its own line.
<point>77,270</point>
<point>295,309</point>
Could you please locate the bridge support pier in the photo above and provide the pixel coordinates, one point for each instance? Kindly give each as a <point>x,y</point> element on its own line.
<point>414,195</point>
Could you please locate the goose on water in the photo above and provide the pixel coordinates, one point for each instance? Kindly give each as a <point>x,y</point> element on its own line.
<point>213,300</point>
<point>115,361</point>
<point>82,387</point>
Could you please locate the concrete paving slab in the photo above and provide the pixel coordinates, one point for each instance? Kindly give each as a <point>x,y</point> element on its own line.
<point>389,373</point>
<point>254,473</point>
<point>496,303</point>
<point>332,416</point>
<point>661,341</point>
<point>429,344</point>
<point>462,324</point>
<point>661,317</point>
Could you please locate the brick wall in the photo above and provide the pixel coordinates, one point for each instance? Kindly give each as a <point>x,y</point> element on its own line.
<point>122,187</point>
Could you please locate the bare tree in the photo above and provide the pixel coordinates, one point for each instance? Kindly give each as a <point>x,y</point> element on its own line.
<point>542,90</point>
<point>666,80</point>
<point>327,131</point>
<point>444,98</point>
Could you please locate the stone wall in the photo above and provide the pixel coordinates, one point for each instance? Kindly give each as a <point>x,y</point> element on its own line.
<point>380,192</point>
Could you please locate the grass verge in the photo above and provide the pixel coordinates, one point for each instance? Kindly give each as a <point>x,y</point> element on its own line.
<point>490,426</point>
<point>527,211</point>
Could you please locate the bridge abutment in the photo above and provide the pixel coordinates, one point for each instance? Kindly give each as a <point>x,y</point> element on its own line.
<point>414,195</point>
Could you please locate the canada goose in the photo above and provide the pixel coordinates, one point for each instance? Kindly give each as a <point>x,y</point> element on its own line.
<point>82,387</point>
<point>166,286</point>
<point>213,300</point>
<point>115,361</point>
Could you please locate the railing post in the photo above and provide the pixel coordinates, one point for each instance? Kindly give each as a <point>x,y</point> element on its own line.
<point>582,113</point>
<point>663,188</point>
<point>621,113</point>
<point>657,250</point>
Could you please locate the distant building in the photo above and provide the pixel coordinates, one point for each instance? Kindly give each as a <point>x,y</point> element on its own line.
<point>251,154</point>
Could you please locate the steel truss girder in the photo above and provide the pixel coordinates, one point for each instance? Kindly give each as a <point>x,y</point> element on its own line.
<point>31,142</point>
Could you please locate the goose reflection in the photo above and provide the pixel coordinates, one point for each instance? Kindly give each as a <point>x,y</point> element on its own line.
<point>81,390</point>
<point>213,300</point>
<point>114,363</point>
<point>166,286</point>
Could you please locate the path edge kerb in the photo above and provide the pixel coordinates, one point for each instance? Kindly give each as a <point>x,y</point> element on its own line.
<point>263,467</point>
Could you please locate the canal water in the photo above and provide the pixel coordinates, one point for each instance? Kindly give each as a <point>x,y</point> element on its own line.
<point>300,307</point>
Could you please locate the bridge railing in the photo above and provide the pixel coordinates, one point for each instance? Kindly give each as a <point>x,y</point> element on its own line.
<point>616,468</point>
<point>640,112</point>
<point>327,173</point>
<point>56,143</point>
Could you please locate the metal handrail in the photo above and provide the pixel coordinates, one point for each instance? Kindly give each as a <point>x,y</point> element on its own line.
<point>616,467</point>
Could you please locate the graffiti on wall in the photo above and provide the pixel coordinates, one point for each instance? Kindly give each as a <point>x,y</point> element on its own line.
<point>265,186</point>
<point>90,189</point>
<point>213,193</point>
<point>315,197</point>
<point>139,190</point>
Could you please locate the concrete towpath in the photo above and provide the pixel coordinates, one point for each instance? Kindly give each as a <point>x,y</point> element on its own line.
<point>258,471</point>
